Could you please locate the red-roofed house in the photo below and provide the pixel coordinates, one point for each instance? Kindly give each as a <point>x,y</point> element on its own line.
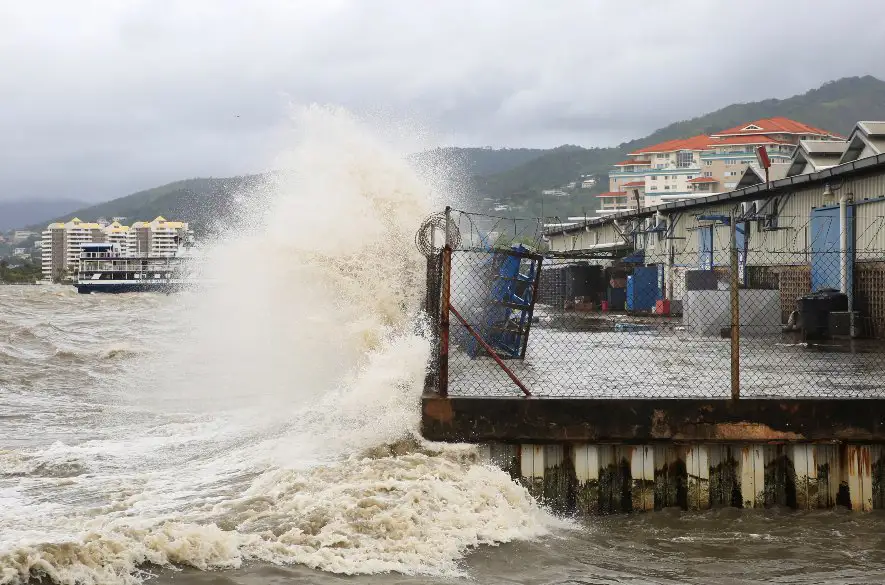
<point>652,172</point>
<point>790,130</point>
<point>687,167</point>
<point>734,149</point>
<point>614,201</point>
<point>705,185</point>
<point>694,143</point>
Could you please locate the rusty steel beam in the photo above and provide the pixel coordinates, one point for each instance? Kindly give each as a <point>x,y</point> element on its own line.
<point>490,351</point>
<point>552,420</point>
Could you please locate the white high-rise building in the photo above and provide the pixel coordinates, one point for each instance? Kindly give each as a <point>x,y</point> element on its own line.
<point>118,234</point>
<point>160,237</point>
<point>62,243</point>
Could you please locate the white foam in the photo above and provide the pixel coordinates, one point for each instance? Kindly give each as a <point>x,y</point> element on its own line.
<point>241,434</point>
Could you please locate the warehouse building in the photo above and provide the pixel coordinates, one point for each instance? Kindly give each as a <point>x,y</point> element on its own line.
<point>788,232</point>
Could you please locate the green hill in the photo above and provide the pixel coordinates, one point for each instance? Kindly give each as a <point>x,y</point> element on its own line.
<point>197,201</point>
<point>480,162</point>
<point>515,178</point>
<point>18,213</point>
<point>835,106</point>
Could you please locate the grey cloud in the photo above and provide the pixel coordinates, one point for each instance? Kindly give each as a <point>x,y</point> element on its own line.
<point>100,98</point>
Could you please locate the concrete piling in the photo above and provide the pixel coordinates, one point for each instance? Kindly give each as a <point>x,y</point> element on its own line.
<point>642,475</point>
<point>547,475</point>
<point>697,465</point>
<point>586,463</point>
<point>670,488</point>
<point>593,479</point>
<point>857,472</point>
<point>600,456</point>
<point>725,482</point>
<point>877,476</point>
<point>752,476</point>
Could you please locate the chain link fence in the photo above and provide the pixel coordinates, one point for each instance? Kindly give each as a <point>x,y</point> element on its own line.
<point>737,309</point>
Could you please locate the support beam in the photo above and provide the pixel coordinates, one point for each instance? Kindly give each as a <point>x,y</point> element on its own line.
<point>591,479</point>
<point>642,475</point>
<point>644,421</point>
<point>725,481</point>
<point>545,475</point>
<point>670,475</point>
<point>585,460</point>
<point>501,455</point>
<point>752,468</point>
<point>697,464</point>
<point>858,474</point>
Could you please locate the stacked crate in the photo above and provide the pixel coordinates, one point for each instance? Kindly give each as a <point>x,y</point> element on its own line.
<point>869,282</point>
<point>794,282</point>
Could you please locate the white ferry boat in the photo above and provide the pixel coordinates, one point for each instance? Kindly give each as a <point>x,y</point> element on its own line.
<point>102,268</point>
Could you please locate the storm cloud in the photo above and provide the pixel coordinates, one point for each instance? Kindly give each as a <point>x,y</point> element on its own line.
<point>101,98</point>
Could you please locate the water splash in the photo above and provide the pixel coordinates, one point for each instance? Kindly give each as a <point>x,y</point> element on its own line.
<point>272,415</point>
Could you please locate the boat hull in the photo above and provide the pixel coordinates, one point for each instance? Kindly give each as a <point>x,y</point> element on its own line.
<point>111,287</point>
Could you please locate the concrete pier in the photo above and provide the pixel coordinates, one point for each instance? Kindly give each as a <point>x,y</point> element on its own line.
<point>605,456</point>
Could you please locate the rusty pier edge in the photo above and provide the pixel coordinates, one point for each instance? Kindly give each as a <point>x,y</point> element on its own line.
<point>598,456</point>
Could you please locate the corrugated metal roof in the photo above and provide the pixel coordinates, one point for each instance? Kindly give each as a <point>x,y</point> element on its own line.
<point>878,144</point>
<point>834,147</point>
<point>777,171</point>
<point>873,128</point>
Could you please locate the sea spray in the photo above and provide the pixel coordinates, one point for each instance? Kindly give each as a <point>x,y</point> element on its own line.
<point>272,415</point>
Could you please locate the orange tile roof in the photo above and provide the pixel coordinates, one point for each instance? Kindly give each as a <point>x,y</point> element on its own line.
<point>694,143</point>
<point>634,184</point>
<point>778,124</point>
<point>703,180</point>
<point>736,135</point>
<point>613,194</point>
<point>624,163</point>
<point>747,139</point>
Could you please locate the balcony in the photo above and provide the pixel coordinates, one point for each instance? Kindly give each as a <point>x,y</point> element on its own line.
<point>728,154</point>
<point>665,171</point>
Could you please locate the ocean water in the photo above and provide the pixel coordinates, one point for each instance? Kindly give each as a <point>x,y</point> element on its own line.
<point>263,426</point>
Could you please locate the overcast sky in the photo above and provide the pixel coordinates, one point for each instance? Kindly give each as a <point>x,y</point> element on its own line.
<point>102,98</point>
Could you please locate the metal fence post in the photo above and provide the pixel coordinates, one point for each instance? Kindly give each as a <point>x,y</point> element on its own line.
<point>444,309</point>
<point>735,311</point>
<point>431,308</point>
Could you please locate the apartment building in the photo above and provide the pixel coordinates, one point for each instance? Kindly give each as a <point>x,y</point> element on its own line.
<point>62,242</point>
<point>159,237</point>
<point>116,233</point>
<point>21,235</point>
<point>702,165</point>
